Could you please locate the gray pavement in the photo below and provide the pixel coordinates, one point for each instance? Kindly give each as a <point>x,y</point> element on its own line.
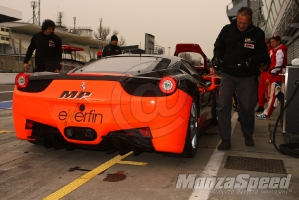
<point>262,150</point>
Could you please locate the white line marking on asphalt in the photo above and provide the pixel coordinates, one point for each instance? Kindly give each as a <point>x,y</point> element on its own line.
<point>212,168</point>
<point>6,109</point>
<point>6,92</point>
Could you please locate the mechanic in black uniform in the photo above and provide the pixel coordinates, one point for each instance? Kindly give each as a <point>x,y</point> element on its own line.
<point>238,51</point>
<point>48,49</point>
<point>112,48</point>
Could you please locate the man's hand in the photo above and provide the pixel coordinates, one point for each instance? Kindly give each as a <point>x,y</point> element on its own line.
<point>217,63</point>
<point>26,67</point>
<point>245,63</point>
<point>265,66</point>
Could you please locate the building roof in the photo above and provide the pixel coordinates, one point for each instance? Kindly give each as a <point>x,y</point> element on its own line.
<point>9,15</point>
<point>66,37</point>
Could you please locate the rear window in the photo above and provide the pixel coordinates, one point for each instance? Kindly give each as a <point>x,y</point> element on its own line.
<point>128,65</point>
<point>195,59</point>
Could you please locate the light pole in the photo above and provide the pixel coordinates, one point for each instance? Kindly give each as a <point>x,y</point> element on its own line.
<point>38,12</point>
<point>101,28</point>
<point>33,5</point>
<point>168,50</point>
<point>74,24</point>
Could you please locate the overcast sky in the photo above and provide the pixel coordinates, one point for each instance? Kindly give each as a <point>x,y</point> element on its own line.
<point>170,21</point>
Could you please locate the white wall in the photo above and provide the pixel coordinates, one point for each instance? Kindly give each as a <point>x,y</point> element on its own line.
<point>7,78</point>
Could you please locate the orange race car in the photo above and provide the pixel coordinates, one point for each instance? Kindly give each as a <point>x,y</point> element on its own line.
<point>120,103</point>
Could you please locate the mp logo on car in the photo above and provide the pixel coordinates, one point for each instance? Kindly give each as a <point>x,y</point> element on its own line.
<point>241,184</point>
<point>74,94</point>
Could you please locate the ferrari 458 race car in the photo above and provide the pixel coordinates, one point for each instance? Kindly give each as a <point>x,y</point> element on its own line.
<point>120,103</point>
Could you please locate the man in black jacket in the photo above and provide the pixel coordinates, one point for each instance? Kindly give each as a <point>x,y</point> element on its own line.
<point>47,46</point>
<point>112,48</point>
<point>238,51</point>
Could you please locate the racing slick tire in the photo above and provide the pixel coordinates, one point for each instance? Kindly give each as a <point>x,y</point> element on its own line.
<point>190,147</point>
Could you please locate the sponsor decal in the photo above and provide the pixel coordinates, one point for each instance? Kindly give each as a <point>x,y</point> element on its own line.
<point>241,184</point>
<point>250,46</point>
<point>248,40</point>
<point>80,116</point>
<point>248,43</point>
<point>74,95</point>
<point>77,95</point>
<point>51,43</point>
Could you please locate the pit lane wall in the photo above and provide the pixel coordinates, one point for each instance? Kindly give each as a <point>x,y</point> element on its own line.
<point>7,78</point>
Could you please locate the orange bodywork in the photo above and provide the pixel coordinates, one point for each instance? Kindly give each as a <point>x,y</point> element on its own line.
<point>107,108</point>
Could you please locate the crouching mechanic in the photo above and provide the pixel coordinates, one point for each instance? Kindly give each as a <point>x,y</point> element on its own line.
<point>238,51</point>
<point>48,49</point>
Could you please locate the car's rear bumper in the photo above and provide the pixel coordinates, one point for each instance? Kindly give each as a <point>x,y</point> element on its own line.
<point>167,118</point>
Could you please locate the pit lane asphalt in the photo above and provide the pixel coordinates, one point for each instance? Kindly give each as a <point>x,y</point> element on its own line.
<point>31,172</point>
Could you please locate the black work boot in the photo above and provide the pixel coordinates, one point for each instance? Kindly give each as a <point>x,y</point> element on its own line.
<point>260,109</point>
<point>224,145</point>
<point>249,141</point>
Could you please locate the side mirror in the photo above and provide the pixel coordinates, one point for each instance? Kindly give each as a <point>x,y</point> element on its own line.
<point>215,83</point>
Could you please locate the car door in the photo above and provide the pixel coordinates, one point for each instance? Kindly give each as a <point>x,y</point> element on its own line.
<point>206,98</point>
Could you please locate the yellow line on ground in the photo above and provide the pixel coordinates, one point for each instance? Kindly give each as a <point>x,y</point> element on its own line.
<point>4,131</point>
<point>86,177</point>
<point>132,163</point>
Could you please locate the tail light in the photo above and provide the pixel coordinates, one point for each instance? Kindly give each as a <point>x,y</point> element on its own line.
<point>145,132</point>
<point>22,80</point>
<point>168,84</point>
<point>29,124</point>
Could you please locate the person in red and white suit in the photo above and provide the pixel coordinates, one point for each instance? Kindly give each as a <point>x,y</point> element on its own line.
<point>262,86</point>
<point>278,58</point>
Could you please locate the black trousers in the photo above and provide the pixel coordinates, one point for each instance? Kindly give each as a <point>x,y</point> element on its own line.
<point>246,91</point>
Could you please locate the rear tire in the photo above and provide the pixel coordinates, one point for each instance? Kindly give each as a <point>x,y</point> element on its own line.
<point>190,147</point>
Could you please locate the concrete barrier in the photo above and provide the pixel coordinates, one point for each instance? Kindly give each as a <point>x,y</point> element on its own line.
<point>7,78</point>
